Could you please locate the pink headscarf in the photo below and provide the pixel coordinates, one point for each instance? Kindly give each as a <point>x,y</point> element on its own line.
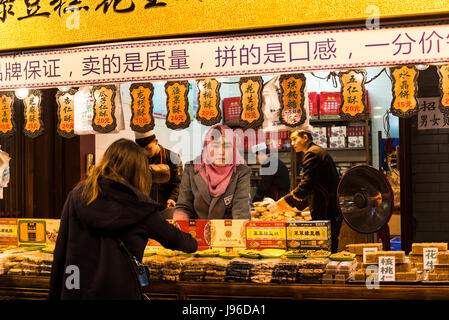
<point>217,177</point>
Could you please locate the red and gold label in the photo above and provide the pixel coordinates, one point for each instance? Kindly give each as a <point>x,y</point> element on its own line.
<point>352,94</point>
<point>66,113</point>
<point>405,89</point>
<point>142,119</point>
<point>104,109</point>
<point>7,123</point>
<point>251,115</point>
<point>292,112</point>
<point>209,112</point>
<point>33,114</point>
<point>177,104</point>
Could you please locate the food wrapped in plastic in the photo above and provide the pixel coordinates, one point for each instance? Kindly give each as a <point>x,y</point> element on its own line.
<point>332,267</point>
<point>311,263</point>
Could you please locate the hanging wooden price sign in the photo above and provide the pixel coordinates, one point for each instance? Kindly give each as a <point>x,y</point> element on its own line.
<point>7,121</point>
<point>177,104</point>
<point>34,125</point>
<point>208,112</point>
<point>405,91</point>
<point>142,119</point>
<point>66,113</point>
<point>104,108</point>
<point>251,115</point>
<point>443,72</point>
<point>353,106</point>
<point>292,95</point>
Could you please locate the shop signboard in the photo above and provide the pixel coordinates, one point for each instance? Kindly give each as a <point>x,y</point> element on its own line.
<point>251,115</point>
<point>208,112</point>
<point>142,119</point>
<point>405,91</point>
<point>265,235</point>
<point>7,122</point>
<point>8,232</point>
<point>104,120</point>
<point>177,104</point>
<point>308,235</point>
<point>292,98</point>
<point>353,95</point>
<point>31,232</point>
<point>430,116</point>
<point>34,126</point>
<point>443,72</point>
<point>66,113</point>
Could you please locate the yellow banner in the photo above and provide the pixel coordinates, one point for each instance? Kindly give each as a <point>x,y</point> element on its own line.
<point>32,24</point>
<point>265,233</point>
<point>307,233</point>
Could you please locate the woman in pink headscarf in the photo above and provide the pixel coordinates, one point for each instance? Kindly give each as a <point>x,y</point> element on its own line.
<point>217,184</point>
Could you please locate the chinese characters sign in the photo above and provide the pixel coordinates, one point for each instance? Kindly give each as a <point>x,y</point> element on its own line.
<point>387,269</point>
<point>251,115</point>
<point>33,114</point>
<point>66,113</point>
<point>430,116</point>
<point>265,234</point>
<point>142,119</point>
<point>201,58</point>
<point>104,109</point>
<point>7,122</point>
<point>292,111</point>
<point>429,258</point>
<point>443,72</point>
<point>8,232</point>
<point>352,94</point>
<point>177,105</point>
<point>405,91</point>
<point>208,112</point>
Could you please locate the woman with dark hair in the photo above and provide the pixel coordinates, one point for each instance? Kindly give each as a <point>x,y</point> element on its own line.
<point>217,184</point>
<point>109,208</point>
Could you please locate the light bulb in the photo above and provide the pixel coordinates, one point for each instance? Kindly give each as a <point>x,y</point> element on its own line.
<point>64,89</point>
<point>22,93</point>
<point>422,67</point>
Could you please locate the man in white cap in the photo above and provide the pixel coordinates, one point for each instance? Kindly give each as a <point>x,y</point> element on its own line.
<point>318,186</point>
<point>275,181</point>
<point>166,194</point>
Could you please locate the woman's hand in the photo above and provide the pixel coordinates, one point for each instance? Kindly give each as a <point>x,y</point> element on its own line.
<point>180,215</point>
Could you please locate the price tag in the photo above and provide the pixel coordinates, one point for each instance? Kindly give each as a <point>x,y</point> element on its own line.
<point>387,269</point>
<point>366,250</point>
<point>430,258</point>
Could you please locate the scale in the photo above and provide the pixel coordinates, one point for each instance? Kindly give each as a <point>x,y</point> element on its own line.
<point>365,200</point>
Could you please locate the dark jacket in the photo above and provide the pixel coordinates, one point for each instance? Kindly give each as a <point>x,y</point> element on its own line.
<point>195,199</point>
<point>87,239</point>
<point>318,186</point>
<point>170,190</point>
<point>276,185</point>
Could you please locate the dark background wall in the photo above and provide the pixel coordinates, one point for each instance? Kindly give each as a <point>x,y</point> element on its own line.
<point>430,171</point>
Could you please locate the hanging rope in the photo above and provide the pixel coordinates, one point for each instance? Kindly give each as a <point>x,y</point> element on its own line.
<point>376,76</point>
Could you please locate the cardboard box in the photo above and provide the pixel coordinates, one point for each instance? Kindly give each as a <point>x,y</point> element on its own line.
<point>51,230</point>
<point>8,232</point>
<point>337,142</point>
<point>199,229</point>
<point>309,235</point>
<point>265,235</point>
<point>356,142</point>
<point>31,232</point>
<point>228,233</point>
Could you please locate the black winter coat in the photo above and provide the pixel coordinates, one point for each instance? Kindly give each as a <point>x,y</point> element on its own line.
<point>273,186</point>
<point>87,239</point>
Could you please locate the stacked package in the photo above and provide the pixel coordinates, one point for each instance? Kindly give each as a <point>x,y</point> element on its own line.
<point>339,271</point>
<point>171,269</point>
<point>239,270</point>
<point>155,264</point>
<point>262,271</point>
<point>403,266</point>
<point>311,270</point>
<point>215,269</point>
<point>416,255</point>
<point>286,270</point>
<point>441,269</point>
<point>356,136</point>
<point>358,249</point>
<point>21,262</point>
<point>337,137</point>
<point>193,269</point>
<point>319,135</point>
